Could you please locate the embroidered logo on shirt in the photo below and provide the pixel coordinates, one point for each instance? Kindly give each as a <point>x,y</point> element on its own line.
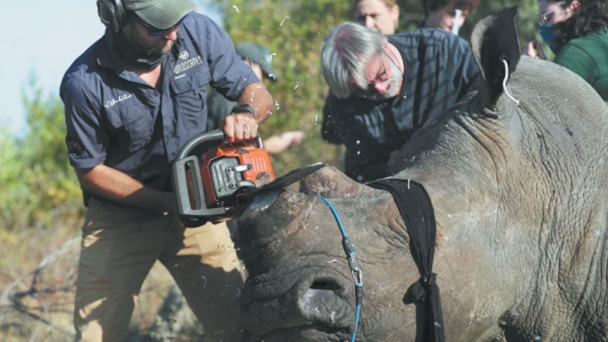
<point>184,55</point>
<point>121,98</point>
<point>75,148</point>
<point>189,64</point>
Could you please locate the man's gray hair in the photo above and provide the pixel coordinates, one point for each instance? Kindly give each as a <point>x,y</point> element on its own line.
<point>345,53</point>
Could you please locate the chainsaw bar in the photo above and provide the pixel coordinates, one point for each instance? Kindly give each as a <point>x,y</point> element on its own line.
<point>287,179</point>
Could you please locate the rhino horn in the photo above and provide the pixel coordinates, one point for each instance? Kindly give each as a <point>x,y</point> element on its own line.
<point>494,39</point>
<point>329,182</point>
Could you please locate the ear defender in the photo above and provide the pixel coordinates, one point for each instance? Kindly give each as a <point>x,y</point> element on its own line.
<point>112,14</point>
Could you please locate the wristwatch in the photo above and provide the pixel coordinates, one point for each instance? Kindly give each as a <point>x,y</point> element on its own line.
<point>243,108</point>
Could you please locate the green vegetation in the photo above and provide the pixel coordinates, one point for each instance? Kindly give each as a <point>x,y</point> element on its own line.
<point>38,185</point>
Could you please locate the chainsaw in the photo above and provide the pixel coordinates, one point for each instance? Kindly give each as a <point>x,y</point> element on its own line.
<point>214,180</point>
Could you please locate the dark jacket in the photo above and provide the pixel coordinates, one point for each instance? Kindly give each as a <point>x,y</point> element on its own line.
<point>439,70</point>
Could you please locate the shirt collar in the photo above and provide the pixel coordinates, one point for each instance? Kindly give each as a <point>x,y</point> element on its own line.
<point>108,56</point>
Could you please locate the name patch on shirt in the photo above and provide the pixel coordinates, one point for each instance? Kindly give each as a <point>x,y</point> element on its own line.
<point>121,98</point>
<point>189,64</point>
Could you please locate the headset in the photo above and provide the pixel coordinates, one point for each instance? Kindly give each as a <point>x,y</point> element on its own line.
<point>112,14</point>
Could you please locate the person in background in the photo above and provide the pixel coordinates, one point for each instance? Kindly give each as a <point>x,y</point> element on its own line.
<point>258,58</point>
<point>577,33</point>
<point>384,88</point>
<point>132,100</point>
<point>379,15</point>
<point>448,15</point>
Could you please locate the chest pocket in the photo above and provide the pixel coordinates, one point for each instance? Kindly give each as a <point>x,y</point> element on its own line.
<point>190,99</point>
<point>131,124</point>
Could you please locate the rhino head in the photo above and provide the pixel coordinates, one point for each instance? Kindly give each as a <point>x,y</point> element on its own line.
<point>517,179</point>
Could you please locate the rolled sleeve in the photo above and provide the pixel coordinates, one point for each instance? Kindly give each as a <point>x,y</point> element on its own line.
<point>229,74</point>
<point>86,140</point>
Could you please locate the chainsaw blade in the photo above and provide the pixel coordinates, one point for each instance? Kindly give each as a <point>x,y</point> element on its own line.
<point>287,179</point>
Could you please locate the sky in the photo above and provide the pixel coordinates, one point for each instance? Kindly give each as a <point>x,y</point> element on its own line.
<point>42,38</point>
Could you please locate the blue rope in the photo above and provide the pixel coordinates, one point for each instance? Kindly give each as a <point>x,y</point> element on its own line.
<point>354,269</point>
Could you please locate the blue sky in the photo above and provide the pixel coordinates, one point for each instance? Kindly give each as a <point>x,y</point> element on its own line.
<point>43,37</point>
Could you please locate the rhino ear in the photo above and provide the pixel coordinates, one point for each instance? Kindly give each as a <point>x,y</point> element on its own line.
<point>495,39</point>
<point>330,182</point>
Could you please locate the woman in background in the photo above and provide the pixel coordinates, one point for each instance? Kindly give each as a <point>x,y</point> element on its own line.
<point>379,15</point>
<point>577,33</point>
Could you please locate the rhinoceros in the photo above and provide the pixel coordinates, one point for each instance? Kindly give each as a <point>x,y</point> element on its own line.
<point>517,178</point>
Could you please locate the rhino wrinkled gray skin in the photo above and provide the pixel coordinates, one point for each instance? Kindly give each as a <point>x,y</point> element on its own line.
<point>520,198</point>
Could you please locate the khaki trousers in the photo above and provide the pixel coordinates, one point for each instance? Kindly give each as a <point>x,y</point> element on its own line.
<point>119,246</point>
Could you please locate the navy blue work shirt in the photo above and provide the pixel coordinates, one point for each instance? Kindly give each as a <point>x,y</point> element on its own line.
<point>115,117</point>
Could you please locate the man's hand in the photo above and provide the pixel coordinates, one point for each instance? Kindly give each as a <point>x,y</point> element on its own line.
<point>279,143</point>
<point>534,50</point>
<point>239,127</point>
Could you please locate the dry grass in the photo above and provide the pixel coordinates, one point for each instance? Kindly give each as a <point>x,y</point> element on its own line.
<point>38,272</point>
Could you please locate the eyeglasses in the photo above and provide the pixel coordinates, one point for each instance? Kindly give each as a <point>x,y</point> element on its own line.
<point>154,31</point>
<point>380,78</point>
<point>546,16</point>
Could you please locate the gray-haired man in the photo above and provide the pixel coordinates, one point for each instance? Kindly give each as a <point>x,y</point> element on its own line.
<point>383,88</point>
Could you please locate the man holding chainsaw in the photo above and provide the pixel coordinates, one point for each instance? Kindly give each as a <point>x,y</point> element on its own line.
<point>132,100</point>
<point>383,88</point>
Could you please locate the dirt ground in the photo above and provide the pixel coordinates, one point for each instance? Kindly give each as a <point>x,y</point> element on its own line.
<point>37,293</point>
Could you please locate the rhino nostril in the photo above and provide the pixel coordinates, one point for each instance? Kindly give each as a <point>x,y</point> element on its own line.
<point>324,285</point>
<point>322,303</point>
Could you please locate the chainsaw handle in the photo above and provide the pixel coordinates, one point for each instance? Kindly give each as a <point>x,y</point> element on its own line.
<point>197,140</point>
<point>194,216</point>
<point>208,136</point>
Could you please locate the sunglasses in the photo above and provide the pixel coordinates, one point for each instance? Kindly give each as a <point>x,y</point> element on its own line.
<point>546,16</point>
<point>154,31</point>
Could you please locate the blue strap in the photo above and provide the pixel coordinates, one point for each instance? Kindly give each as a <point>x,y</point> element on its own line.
<point>355,270</point>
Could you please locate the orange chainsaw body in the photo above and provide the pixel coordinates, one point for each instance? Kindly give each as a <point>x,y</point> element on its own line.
<point>211,178</point>
<point>217,184</point>
<point>229,169</point>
